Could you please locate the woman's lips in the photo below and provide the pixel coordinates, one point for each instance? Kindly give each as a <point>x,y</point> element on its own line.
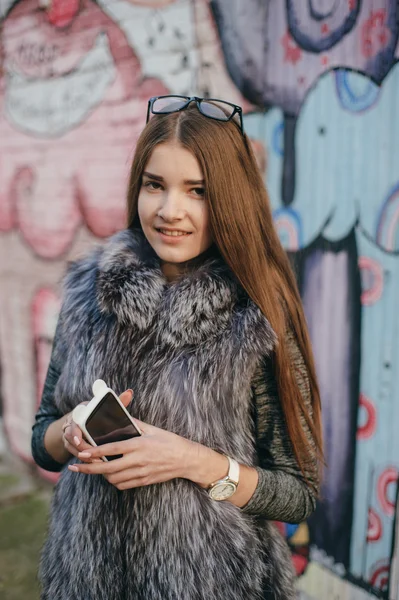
<point>172,236</point>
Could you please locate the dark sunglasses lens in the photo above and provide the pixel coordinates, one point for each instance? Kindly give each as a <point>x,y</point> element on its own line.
<point>168,105</point>
<point>216,110</point>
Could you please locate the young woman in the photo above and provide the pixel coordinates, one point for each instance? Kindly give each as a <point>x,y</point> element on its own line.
<point>194,311</point>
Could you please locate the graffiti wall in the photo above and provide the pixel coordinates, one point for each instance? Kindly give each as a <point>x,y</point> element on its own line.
<point>319,83</point>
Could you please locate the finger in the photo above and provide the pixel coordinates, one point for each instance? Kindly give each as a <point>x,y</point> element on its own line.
<point>132,483</point>
<point>75,433</point>
<point>126,397</point>
<point>99,468</point>
<point>145,428</point>
<point>72,439</point>
<point>75,452</point>
<point>71,449</point>
<point>127,475</point>
<point>124,447</point>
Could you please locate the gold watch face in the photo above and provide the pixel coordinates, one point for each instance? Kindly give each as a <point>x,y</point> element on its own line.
<point>222,491</point>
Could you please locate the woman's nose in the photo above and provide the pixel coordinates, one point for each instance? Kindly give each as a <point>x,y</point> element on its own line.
<point>172,208</point>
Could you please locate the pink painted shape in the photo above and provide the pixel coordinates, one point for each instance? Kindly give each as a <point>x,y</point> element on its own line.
<point>44,314</point>
<point>7,213</point>
<point>47,212</point>
<point>152,3</point>
<point>48,186</point>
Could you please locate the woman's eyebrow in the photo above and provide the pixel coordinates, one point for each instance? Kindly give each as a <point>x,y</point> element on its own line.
<point>194,182</point>
<point>152,176</point>
<point>186,181</point>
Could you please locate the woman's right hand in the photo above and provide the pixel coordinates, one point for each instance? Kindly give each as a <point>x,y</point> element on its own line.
<point>73,440</point>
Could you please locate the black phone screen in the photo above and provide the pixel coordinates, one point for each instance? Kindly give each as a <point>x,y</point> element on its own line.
<point>109,423</point>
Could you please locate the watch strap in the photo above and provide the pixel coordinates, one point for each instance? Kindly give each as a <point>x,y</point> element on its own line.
<point>234,470</point>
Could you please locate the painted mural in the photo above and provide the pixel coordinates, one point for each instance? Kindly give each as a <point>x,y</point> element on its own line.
<point>319,83</point>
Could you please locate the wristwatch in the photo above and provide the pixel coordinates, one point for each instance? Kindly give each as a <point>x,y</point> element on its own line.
<point>226,487</point>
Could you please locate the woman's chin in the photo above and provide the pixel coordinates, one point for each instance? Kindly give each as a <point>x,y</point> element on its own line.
<point>174,252</point>
<point>174,257</point>
<point>178,250</point>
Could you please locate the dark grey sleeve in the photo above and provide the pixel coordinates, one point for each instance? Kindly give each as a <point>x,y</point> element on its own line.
<point>282,493</point>
<point>48,411</point>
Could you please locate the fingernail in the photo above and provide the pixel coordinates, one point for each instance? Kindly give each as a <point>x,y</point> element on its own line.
<point>73,468</point>
<point>84,454</point>
<point>76,440</point>
<point>131,391</point>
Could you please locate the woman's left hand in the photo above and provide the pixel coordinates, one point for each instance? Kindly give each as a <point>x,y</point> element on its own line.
<point>154,457</point>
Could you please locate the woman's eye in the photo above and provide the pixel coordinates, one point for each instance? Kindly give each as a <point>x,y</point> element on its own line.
<point>199,191</point>
<point>152,185</point>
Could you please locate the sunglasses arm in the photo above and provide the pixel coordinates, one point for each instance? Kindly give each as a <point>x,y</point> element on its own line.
<point>149,109</point>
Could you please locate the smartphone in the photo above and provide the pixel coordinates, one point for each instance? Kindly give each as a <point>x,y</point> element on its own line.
<point>104,419</point>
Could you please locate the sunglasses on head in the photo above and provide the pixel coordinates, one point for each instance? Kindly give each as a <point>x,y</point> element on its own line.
<point>219,110</point>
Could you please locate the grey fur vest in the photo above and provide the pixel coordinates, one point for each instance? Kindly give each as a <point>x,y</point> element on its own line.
<point>189,352</point>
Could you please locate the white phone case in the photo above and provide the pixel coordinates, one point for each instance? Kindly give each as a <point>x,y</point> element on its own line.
<point>82,412</point>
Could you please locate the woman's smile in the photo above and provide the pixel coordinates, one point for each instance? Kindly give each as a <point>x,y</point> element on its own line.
<point>178,234</point>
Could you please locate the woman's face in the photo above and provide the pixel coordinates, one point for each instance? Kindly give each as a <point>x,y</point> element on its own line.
<point>172,207</point>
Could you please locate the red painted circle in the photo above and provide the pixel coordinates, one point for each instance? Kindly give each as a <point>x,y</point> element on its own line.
<point>374,531</point>
<point>367,429</point>
<point>380,574</point>
<point>62,12</point>
<point>387,478</point>
<point>371,268</point>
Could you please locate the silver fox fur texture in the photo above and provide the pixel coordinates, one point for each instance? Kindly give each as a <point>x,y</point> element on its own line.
<point>189,352</point>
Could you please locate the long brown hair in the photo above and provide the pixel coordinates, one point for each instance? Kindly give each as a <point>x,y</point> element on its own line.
<point>243,230</point>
